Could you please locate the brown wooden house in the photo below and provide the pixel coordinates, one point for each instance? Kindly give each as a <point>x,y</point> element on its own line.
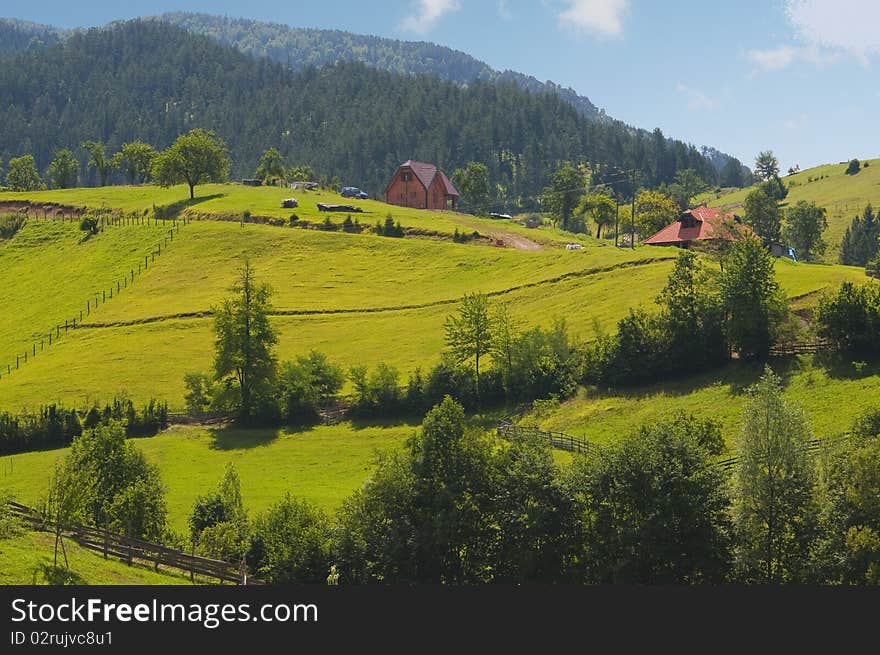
<point>420,185</point>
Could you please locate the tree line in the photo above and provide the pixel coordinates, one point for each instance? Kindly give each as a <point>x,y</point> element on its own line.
<point>56,426</point>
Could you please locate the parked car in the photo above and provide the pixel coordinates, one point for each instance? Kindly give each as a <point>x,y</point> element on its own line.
<point>573,246</point>
<point>353,192</point>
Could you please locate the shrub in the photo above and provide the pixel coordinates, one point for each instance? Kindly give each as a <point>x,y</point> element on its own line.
<point>377,392</point>
<point>10,224</point>
<point>306,385</point>
<point>853,167</point>
<point>850,319</point>
<point>198,392</point>
<point>89,224</point>
<point>291,544</point>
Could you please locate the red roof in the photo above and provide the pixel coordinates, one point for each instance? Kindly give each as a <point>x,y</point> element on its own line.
<point>703,228</point>
<point>426,172</point>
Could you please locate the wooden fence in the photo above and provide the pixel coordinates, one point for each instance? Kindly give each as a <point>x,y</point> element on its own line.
<point>799,348</point>
<point>130,550</point>
<point>559,440</point>
<point>562,441</point>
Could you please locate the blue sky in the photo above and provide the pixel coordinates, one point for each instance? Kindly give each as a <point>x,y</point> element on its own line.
<point>797,76</point>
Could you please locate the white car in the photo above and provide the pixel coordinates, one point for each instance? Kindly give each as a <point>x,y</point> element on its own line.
<point>573,246</point>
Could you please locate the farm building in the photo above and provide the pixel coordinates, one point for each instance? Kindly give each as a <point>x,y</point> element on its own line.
<point>700,224</point>
<point>422,186</point>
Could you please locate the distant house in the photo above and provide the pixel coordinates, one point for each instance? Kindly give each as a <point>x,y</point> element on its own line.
<point>420,185</point>
<point>252,182</point>
<point>698,224</point>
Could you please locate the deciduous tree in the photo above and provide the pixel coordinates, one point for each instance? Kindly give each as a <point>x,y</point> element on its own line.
<point>136,160</point>
<point>99,160</point>
<point>63,169</point>
<point>766,165</point>
<point>195,158</point>
<point>271,166</point>
<point>763,215</point>
<point>774,510</point>
<point>804,225</point>
<point>23,175</point>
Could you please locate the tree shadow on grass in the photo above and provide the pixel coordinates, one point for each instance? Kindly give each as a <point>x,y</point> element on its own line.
<point>56,575</point>
<point>172,211</point>
<point>842,366</point>
<point>736,376</point>
<point>363,422</point>
<point>240,438</point>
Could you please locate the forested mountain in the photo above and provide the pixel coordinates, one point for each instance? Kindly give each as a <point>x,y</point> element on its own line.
<point>152,81</point>
<point>303,47</point>
<point>16,35</point>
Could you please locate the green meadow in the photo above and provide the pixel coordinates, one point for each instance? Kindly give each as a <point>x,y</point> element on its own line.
<point>361,299</point>
<point>22,559</point>
<point>832,395</point>
<point>324,464</point>
<point>842,195</point>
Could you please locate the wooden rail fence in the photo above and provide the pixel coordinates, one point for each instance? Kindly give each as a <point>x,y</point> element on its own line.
<point>562,441</point>
<point>799,348</point>
<point>128,549</point>
<point>558,440</point>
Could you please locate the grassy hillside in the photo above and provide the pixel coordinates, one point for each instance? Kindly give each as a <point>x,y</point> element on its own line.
<point>360,298</point>
<point>324,464</point>
<point>49,271</point>
<point>843,196</point>
<point>832,397</point>
<point>22,559</point>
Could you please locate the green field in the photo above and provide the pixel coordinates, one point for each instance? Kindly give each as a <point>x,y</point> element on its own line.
<point>359,298</point>
<point>831,396</point>
<point>323,465</point>
<point>232,201</point>
<point>843,196</point>
<point>22,559</point>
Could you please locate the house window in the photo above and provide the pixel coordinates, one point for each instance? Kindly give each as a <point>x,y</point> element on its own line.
<point>405,177</point>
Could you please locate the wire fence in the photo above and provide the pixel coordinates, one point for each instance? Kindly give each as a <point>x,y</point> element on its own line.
<point>108,292</point>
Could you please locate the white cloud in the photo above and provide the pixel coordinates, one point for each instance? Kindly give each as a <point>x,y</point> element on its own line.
<point>428,12</point>
<point>842,25</point>
<point>785,55</point>
<point>774,59</point>
<point>504,10</point>
<point>603,17</point>
<point>697,100</point>
<point>795,122</point>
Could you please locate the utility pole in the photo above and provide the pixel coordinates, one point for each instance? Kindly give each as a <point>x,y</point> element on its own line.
<point>632,225</point>
<point>616,217</point>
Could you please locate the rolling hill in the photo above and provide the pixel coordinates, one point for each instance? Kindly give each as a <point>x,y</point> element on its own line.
<point>843,196</point>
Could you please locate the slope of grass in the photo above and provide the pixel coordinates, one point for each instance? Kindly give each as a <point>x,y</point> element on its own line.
<point>842,195</point>
<point>22,559</point>
<point>832,397</point>
<point>149,359</point>
<point>49,271</point>
<point>324,464</point>
<point>231,201</point>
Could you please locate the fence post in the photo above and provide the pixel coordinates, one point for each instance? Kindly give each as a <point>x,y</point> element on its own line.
<point>106,539</point>
<point>193,552</point>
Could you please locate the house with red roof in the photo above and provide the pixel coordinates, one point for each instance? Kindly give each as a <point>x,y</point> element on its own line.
<point>420,185</point>
<point>700,224</point>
